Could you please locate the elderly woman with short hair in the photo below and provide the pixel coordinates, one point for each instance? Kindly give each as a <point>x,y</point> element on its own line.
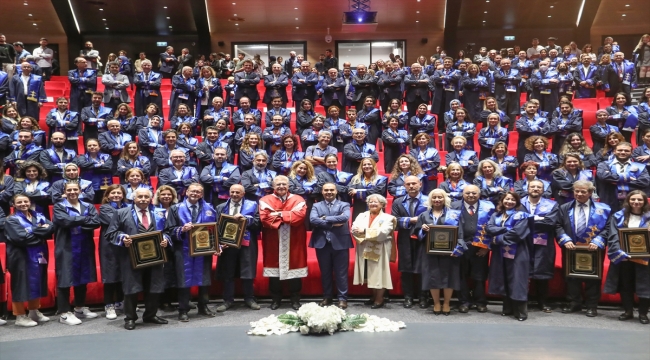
<point>373,230</point>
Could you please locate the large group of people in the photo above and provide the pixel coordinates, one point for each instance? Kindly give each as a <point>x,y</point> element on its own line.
<point>289,175</point>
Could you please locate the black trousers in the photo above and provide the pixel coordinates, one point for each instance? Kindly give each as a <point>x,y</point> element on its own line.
<point>541,286</point>
<point>150,300</point>
<point>515,307</point>
<point>473,267</point>
<point>275,287</point>
<point>63,298</point>
<point>167,75</point>
<point>229,289</point>
<point>112,293</point>
<point>113,103</point>
<point>411,291</point>
<point>627,288</point>
<point>184,297</point>
<point>592,292</point>
<point>47,73</point>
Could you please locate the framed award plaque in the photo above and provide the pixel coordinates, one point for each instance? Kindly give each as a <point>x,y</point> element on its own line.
<point>203,239</point>
<point>635,242</point>
<point>231,230</point>
<point>442,239</point>
<point>583,263</point>
<point>145,250</point>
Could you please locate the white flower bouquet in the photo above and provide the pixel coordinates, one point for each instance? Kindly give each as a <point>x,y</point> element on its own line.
<point>314,319</point>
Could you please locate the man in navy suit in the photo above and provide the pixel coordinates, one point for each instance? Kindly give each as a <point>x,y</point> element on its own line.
<point>332,241</point>
<point>168,63</point>
<point>246,82</point>
<point>304,83</point>
<point>276,85</point>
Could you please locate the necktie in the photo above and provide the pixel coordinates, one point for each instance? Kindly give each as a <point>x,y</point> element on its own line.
<point>471,210</point>
<point>620,71</point>
<point>621,167</point>
<point>195,213</point>
<point>21,151</point>
<point>145,219</point>
<point>235,208</point>
<point>582,220</point>
<point>412,207</point>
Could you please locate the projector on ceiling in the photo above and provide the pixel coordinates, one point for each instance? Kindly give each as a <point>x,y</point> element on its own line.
<point>359,22</point>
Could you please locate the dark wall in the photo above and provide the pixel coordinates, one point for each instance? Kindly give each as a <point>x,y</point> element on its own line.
<point>134,44</point>
<point>493,38</point>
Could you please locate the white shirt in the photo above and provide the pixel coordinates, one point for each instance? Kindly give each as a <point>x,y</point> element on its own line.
<point>43,57</point>
<point>634,221</point>
<point>585,69</point>
<point>534,50</point>
<point>475,207</point>
<point>618,166</point>
<point>232,207</point>
<point>532,206</point>
<point>575,214</point>
<point>138,211</point>
<point>25,80</point>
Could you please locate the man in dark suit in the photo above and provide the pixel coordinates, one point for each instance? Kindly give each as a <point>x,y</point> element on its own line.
<point>507,90</point>
<point>330,60</point>
<point>304,83</point>
<point>240,261</point>
<point>246,82</point>
<point>475,215</point>
<point>333,90</point>
<point>407,209</point>
<point>27,92</point>
<point>390,86</point>
<point>364,84</point>
<point>583,223</point>
<point>168,63</point>
<point>417,88</point>
<point>147,88</point>
<point>83,82</point>
<point>276,85</point>
<point>185,60</point>
<point>331,239</point>
<point>625,79</point>
<point>138,218</point>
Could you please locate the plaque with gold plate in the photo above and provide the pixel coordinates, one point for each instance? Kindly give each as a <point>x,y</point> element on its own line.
<point>635,242</point>
<point>584,263</point>
<point>442,239</point>
<point>146,250</point>
<point>203,239</point>
<point>231,230</point>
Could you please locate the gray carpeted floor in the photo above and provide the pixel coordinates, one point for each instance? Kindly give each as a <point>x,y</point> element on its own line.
<point>242,316</point>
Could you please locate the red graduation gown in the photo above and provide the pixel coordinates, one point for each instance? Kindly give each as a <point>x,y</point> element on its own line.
<point>284,239</point>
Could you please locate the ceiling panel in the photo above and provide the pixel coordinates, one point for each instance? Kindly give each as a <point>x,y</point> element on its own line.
<point>35,20</point>
<point>622,13</point>
<point>295,16</point>
<point>129,16</point>
<point>518,14</point>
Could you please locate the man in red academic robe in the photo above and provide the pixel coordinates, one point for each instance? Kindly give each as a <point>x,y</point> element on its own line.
<point>284,241</point>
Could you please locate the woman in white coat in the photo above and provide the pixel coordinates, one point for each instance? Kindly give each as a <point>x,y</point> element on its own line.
<point>373,231</point>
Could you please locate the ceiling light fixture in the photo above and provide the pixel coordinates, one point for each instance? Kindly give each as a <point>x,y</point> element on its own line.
<point>101,9</point>
<point>623,15</point>
<point>106,28</point>
<point>296,18</point>
<point>236,24</point>
<point>549,16</point>
<point>74,17</point>
<point>29,14</point>
<point>417,21</point>
<point>168,17</point>
<point>34,24</point>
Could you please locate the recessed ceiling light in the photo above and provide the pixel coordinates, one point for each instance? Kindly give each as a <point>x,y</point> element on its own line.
<point>483,20</point>
<point>101,9</point>
<point>234,3</point>
<point>417,20</point>
<point>170,26</point>
<point>106,28</point>
<point>623,15</point>
<point>25,3</point>
<point>103,19</point>
<point>487,0</point>
<point>417,12</point>
<point>164,7</point>
<point>168,17</point>
<point>484,12</point>
<point>297,27</point>
<point>552,6</point>
<point>549,16</point>
<point>296,18</point>
<point>627,5</point>
<point>295,8</point>
<point>236,24</point>
<point>29,14</point>
<point>34,24</point>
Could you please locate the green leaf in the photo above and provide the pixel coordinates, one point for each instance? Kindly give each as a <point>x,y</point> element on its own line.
<point>353,321</point>
<point>291,320</point>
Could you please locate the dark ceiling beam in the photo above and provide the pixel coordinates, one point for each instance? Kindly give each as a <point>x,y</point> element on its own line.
<point>200,14</point>
<point>452,14</point>
<point>75,43</point>
<point>583,30</point>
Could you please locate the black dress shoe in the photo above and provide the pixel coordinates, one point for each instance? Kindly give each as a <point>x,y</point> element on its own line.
<point>522,317</point>
<point>481,308</point>
<point>626,316</point>
<point>167,308</point>
<point>424,303</point>
<point>295,305</point>
<point>571,309</point>
<point>377,306</point>
<point>408,303</point>
<point>182,317</point>
<point>643,319</point>
<point>155,320</point>
<point>325,302</point>
<point>129,324</point>
<point>545,308</point>
<point>369,302</point>
<point>473,306</point>
<point>204,310</point>
<point>592,313</point>
<point>463,309</point>
<point>275,305</point>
